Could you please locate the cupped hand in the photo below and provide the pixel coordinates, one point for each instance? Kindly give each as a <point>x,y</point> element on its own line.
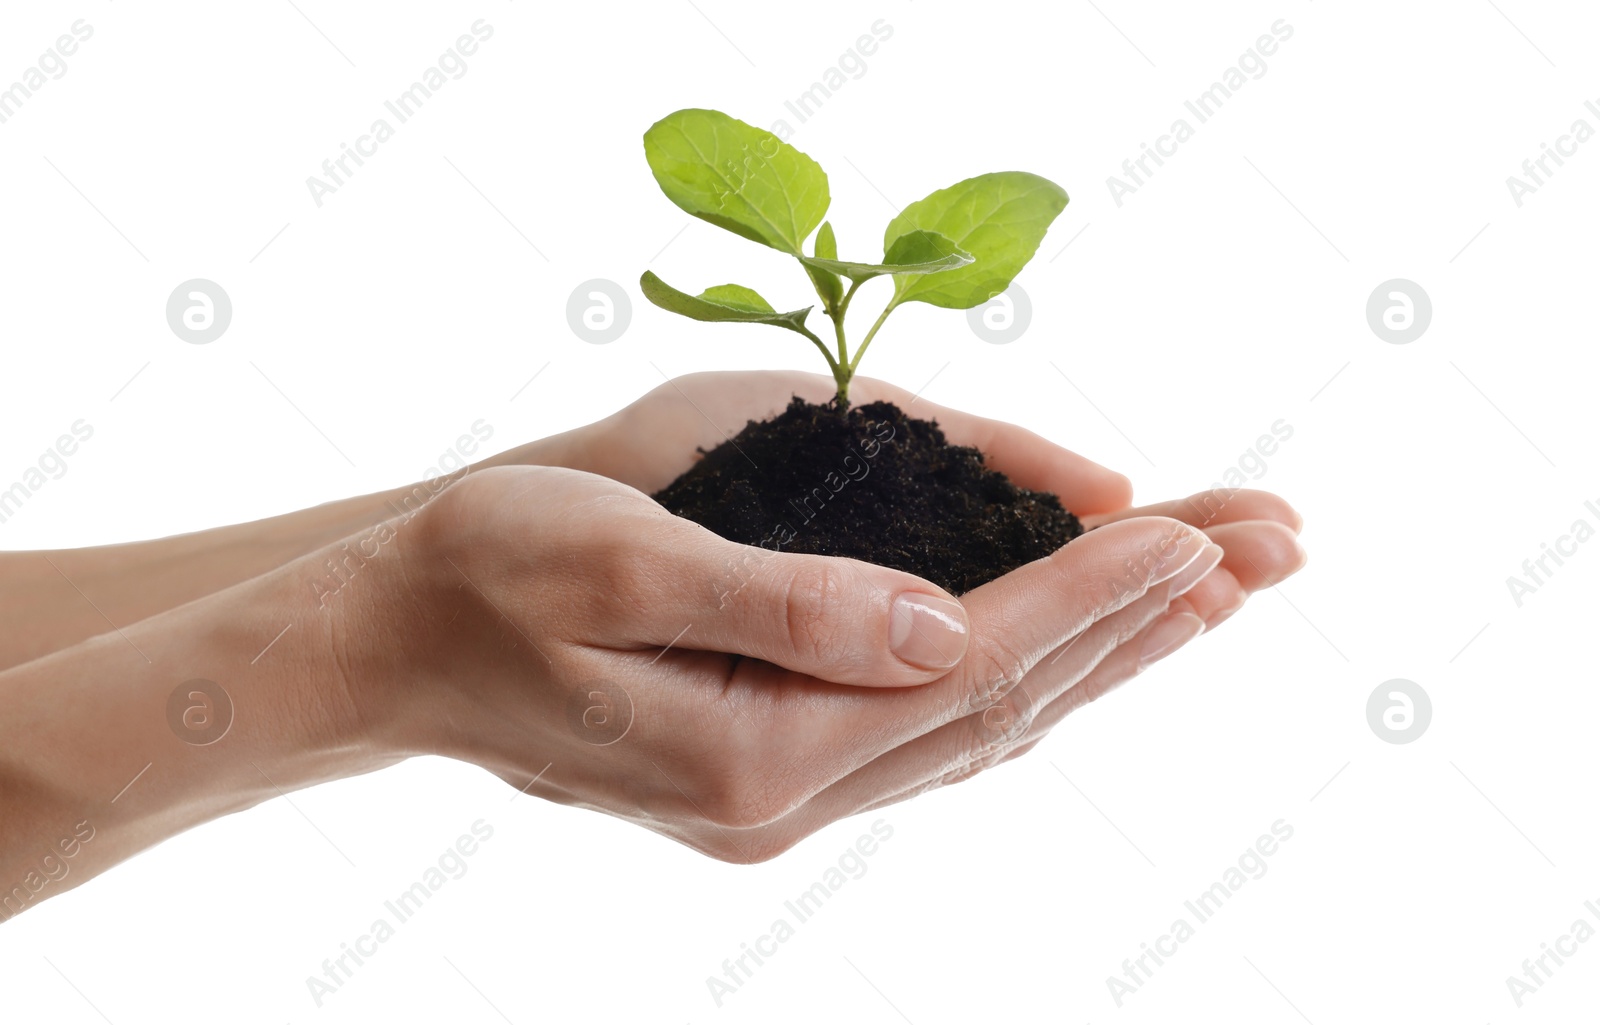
<point>1254,545</point>
<point>648,443</point>
<point>717,693</point>
<point>567,633</point>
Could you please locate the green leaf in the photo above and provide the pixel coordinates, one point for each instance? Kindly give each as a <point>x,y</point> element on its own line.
<point>829,287</point>
<point>738,177</point>
<point>738,297</point>
<point>916,252</point>
<point>727,303</point>
<point>999,218</point>
<point>825,246</point>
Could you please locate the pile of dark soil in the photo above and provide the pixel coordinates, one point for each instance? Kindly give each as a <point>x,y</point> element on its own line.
<point>870,483</point>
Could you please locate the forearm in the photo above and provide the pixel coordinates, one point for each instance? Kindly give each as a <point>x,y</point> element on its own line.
<point>99,760</point>
<point>51,600</point>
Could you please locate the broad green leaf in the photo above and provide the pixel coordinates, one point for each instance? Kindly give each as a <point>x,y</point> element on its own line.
<point>999,218</point>
<point>729,303</point>
<point>738,177</point>
<point>828,284</point>
<point>916,252</point>
<point>738,297</point>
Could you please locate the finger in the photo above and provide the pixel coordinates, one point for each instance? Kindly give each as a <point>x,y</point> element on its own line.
<point>966,745</point>
<point>1021,617</point>
<point>1016,620</point>
<point>1170,630</point>
<point>1218,595</point>
<point>961,750</point>
<point>1174,629</point>
<point>1023,749</point>
<point>1030,461</point>
<point>833,619</point>
<point>1220,505</point>
<point>1258,553</point>
<point>954,778</point>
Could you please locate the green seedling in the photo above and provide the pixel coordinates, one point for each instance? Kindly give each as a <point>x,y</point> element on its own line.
<point>957,248</point>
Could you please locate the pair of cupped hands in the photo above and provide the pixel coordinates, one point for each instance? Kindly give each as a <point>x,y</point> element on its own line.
<point>555,625</point>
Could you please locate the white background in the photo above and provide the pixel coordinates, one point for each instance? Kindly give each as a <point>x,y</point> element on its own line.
<point>1228,292</point>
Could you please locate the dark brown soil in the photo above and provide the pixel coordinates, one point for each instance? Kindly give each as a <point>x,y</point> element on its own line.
<point>870,483</point>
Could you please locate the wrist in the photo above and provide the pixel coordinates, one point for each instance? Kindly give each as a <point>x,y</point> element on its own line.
<point>359,611</point>
<point>280,714</point>
<point>445,613</point>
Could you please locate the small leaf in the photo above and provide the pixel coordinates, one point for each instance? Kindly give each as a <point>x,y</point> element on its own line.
<point>738,297</point>
<point>825,245</point>
<point>998,218</point>
<point>738,177</point>
<point>829,287</point>
<point>916,252</point>
<point>727,303</point>
<point>924,248</point>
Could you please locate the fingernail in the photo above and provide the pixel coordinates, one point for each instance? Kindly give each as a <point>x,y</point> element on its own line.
<point>1190,575</point>
<point>927,631</point>
<point>1168,635</point>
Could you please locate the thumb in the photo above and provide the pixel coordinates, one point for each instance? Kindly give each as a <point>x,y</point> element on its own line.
<point>831,618</point>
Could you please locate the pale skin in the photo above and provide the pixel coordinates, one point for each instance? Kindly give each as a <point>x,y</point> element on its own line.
<point>764,694</point>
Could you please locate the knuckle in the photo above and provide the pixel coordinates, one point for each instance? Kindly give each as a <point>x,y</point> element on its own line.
<point>813,602</point>
<point>979,762</point>
<point>1001,724</point>
<point>442,508</point>
<point>745,800</point>
<point>998,668</point>
<point>741,810</point>
<point>616,579</point>
<point>963,774</point>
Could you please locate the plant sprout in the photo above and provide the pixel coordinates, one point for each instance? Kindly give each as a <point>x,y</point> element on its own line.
<point>957,248</point>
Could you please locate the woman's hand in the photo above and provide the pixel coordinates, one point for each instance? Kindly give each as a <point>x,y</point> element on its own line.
<point>563,630</point>
<point>647,444</point>
<point>569,634</point>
